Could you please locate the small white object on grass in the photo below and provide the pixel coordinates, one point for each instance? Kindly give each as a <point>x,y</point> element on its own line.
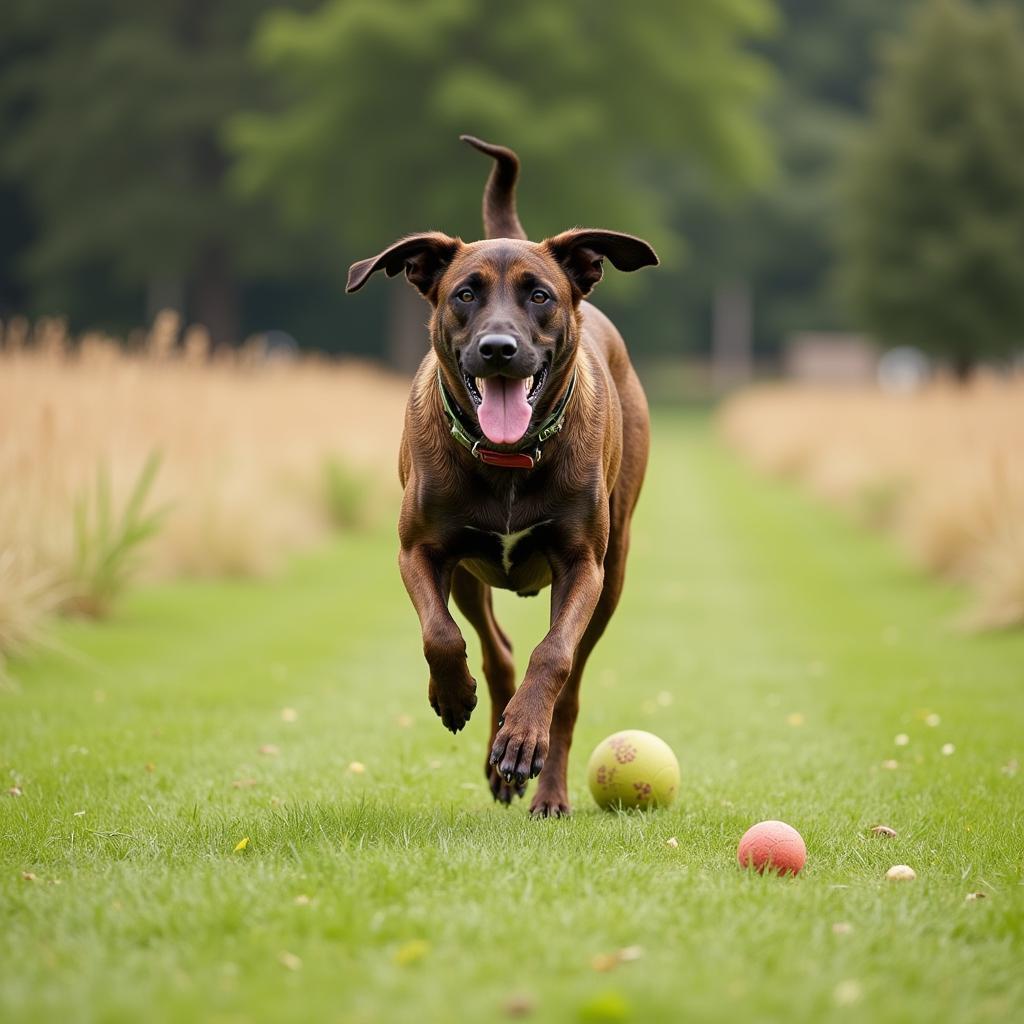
<point>901,873</point>
<point>357,768</point>
<point>847,993</point>
<point>948,749</point>
<point>672,841</point>
<point>902,740</point>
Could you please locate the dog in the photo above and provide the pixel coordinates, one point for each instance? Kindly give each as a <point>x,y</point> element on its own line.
<point>524,450</point>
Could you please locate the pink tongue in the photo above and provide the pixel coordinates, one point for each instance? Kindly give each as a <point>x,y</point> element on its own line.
<point>504,413</point>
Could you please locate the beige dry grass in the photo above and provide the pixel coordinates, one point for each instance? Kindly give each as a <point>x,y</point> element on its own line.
<point>245,443</point>
<point>942,468</point>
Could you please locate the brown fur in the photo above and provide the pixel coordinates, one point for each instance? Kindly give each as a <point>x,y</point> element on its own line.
<point>578,499</point>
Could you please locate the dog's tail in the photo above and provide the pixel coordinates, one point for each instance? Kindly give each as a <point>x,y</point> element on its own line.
<point>500,217</point>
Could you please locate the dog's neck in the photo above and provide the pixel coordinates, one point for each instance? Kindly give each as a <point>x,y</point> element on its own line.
<point>529,451</point>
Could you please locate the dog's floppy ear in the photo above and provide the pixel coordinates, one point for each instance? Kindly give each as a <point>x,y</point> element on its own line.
<point>422,257</point>
<point>581,252</point>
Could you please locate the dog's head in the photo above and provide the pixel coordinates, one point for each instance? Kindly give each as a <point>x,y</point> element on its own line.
<point>505,323</point>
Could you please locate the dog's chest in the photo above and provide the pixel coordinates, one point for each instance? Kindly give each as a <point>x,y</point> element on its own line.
<point>513,560</point>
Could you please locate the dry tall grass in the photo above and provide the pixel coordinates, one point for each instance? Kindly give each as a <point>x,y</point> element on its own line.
<point>249,446</point>
<point>942,468</point>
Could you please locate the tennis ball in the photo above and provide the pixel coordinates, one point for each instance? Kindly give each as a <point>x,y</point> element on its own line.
<point>772,846</point>
<point>633,768</point>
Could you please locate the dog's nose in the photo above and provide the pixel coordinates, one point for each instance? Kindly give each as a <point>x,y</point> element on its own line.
<point>497,348</point>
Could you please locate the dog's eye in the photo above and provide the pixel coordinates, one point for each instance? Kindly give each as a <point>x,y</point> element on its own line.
<point>539,296</point>
<point>465,295</point>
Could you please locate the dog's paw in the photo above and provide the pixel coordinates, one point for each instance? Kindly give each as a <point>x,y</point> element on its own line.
<point>520,747</point>
<point>502,791</point>
<point>550,804</point>
<point>453,704</point>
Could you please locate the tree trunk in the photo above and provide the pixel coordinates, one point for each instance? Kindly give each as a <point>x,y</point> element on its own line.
<point>408,335</point>
<point>963,367</point>
<point>732,336</point>
<point>215,301</point>
<point>164,292</point>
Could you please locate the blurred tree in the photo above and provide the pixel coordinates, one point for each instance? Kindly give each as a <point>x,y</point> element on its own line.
<point>119,106</point>
<point>778,238</point>
<point>933,229</point>
<point>605,103</point>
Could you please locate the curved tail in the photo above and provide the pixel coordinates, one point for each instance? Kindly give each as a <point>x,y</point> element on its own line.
<point>500,217</point>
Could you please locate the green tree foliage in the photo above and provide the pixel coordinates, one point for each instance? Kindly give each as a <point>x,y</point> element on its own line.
<point>779,239</point>
<point>117,107</point>
<point>604,102</point>
<point>933,231</point>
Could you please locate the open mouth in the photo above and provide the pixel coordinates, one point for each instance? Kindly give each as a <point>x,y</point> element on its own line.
<point>476,386</point>
<point>504,405</point>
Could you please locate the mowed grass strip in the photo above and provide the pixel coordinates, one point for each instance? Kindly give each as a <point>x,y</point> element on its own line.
<point>779,650</point>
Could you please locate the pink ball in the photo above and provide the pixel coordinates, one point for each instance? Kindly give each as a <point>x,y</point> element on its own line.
<point>774,846</point>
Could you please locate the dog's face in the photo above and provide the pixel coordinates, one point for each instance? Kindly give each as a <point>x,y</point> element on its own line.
<point>504,324</point>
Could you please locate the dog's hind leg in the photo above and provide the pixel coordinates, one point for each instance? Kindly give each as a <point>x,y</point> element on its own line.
<point>473,599</point>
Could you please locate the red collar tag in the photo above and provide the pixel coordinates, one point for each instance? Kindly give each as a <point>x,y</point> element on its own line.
<point>508,460</point>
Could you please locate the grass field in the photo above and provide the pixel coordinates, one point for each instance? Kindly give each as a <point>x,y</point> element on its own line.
<point>778,649</point>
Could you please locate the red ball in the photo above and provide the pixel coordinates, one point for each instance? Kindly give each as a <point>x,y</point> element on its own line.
<point>772,846</point>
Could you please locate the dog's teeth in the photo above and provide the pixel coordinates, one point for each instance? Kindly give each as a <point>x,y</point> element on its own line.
<point>479,384</point>
<point>529,384</point>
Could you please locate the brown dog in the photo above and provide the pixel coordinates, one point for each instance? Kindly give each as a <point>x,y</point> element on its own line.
<point>525,446</point>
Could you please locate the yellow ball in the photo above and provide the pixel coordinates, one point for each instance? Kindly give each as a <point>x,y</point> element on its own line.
<point>633,768</point>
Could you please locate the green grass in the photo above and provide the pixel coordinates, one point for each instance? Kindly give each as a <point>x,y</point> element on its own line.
<point>745,605</point>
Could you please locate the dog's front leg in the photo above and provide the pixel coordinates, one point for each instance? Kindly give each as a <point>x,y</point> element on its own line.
<point>427,577</point>
<point>521,744</point>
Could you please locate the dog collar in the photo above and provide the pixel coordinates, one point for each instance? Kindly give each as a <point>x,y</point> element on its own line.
<point>525,459</point>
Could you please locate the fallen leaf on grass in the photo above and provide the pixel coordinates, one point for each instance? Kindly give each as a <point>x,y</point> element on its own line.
<point>27,876</point>
<point>1010,768</point>
<point>411,952</point>
<point>976,896</point>
<point>519,1005</point>
<point>150,767</point>
<point>609,961</point>
<point>890,765</point>
<point>241,844</point>
<point>270,750</point>
<point>842,928</point>
<point>289,715</point>
<point>244,783</point>
<point>795,719</point>
<point>15,791</point>
<point>404,721</point>
<point>302,900</point>
<point>289,960</point>
<point>884,830</point>
<point>357,768</point>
